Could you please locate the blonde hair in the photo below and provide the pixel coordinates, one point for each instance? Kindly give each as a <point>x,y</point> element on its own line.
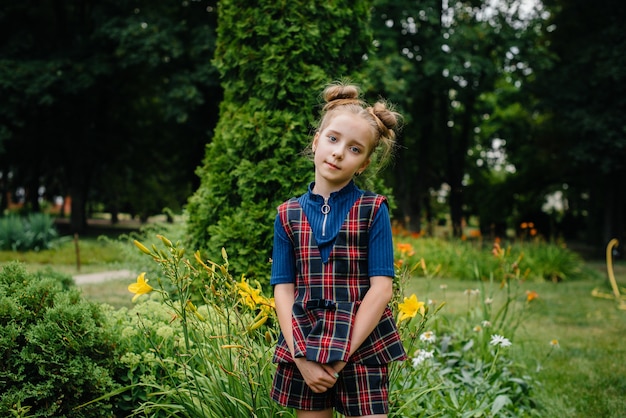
<point>383,120</point>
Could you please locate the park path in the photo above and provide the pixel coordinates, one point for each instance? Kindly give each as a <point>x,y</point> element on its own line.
<point>103,276</point>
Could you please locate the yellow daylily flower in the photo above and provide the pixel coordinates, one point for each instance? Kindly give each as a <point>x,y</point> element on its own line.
<point>250,296</point>
<point>190,307</point>
<point>142,247</point>
<point>410,307</point>
<point>141,287</point>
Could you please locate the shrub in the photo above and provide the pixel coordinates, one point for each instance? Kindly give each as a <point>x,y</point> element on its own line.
<point>254,161</point>
<point>463,260</point>
<point>189,359</point>
<point>57,351</point>
<point>34,232</point>
<point>12,233</point>
<point>40,230</point>
<point>552,262</point>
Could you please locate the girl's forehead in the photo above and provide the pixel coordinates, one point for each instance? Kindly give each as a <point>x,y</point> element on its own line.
<point>343,115</point>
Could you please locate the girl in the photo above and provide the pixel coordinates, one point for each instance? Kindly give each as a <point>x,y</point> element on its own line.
<point>333,271</point>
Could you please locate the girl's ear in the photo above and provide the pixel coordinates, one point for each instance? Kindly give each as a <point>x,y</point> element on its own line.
<point>365,164</point>
<point>315,139</point>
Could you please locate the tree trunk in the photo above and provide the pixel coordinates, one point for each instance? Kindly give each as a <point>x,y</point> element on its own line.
<point>614,207</point>
<point>408,191</point>
<point>80,174</point>
<point>457,152</point>
<point>78,217</point>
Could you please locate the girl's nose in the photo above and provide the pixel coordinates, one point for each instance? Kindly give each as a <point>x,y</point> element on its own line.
<point>338,151</point>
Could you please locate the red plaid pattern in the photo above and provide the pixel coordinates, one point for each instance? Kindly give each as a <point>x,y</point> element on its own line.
<point>360,390</point>
<point>328,295</point>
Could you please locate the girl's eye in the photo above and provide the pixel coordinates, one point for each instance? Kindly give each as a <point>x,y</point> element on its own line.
<point>332,138</point>
<point>355,150</point>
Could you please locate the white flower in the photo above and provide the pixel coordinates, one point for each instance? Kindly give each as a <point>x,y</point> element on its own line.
<point>500,340</point>
<point>428,337</point>
<point>421,356</point>
<point>486,324</point>
<point>488,301</point>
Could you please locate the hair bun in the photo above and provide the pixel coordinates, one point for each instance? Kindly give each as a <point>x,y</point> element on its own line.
<point>340,94</point>
<point>386,115</point>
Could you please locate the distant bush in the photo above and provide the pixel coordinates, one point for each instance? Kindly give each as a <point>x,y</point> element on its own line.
<point>466,260</point>
<point>56,349</point>
<point>33,232</point>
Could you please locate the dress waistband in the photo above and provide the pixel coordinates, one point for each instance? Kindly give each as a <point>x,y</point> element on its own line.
<point>321,304</point>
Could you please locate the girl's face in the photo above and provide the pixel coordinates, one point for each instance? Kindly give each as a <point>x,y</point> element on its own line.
<point>341,150</point>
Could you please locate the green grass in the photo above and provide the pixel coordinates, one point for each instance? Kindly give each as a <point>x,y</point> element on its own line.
<point>70,257</point>
<point>113,292</point>
<point>585,377</point>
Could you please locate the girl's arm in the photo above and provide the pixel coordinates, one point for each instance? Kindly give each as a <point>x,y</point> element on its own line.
<point>368,316</point>
<point>318,378</point>
<point>283,299</point>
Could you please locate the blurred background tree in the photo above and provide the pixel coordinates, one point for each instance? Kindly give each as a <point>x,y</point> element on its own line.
<point>582,96</point>
<point>109,102</point>
<point>456,69</point>
<point>513,110</point>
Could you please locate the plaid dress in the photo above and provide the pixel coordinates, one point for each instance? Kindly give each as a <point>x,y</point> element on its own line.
<point>328,295</point>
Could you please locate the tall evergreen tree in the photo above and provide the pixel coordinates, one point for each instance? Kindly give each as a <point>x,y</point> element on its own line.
<point>274,59</point>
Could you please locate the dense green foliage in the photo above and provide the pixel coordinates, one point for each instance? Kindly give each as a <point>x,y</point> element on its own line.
<point>57,351</point>
<point>113,102</point>
<point>105,101</point>
<point>455,69</point>
<point>214,358</point>
<point>274,59</point>
<point>36,231</point>
<point>583,96</point>
<point>201,345</point>
<point>469,260</point>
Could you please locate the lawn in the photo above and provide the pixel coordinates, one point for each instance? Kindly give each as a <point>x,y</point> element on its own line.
<point>585,376</point>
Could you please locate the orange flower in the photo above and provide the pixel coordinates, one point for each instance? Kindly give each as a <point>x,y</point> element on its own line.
<point>531,295</point>
<point>497,250</point>
<point>405,249</point>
